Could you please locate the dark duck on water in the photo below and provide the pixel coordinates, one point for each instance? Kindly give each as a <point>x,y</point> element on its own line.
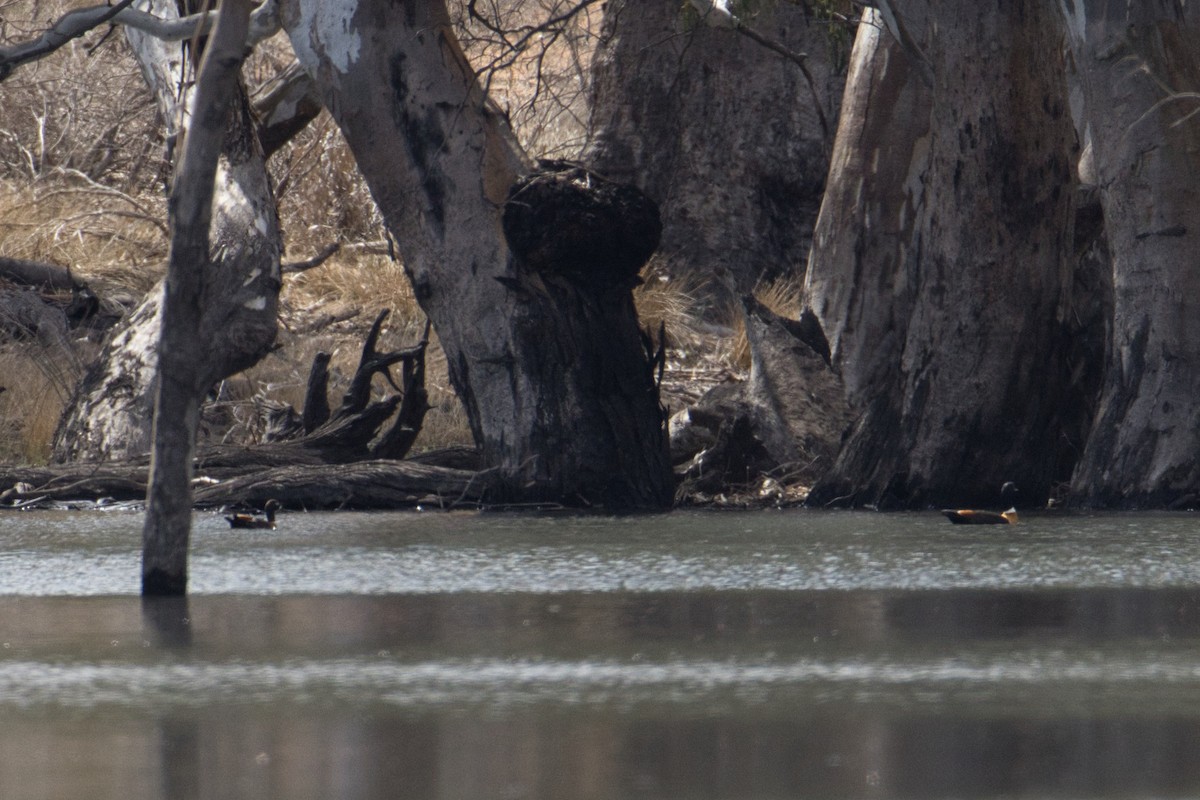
<point>266,522</point>
<point>969,516</point>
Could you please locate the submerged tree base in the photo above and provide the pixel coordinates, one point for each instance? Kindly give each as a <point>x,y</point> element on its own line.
<point>160,583</point>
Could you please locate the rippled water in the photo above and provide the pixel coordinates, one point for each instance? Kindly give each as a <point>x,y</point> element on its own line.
<point>769,654</point>
<point>61,553</point>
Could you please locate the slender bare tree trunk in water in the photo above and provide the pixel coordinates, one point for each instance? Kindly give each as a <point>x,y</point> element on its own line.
<point>1130,57</point>
<point>109,415</point>
<point>552,369</point>
<point>970,285</point>
<point>186,367</point>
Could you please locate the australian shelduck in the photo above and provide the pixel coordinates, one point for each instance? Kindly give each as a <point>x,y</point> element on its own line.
<point>970,516</point>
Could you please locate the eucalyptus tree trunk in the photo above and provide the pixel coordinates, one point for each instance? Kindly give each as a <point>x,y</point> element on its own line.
<point>963,295</point>
<point>551,366</point>
<point>1131,58</point>
<point>109,416</point>
<point>723,132</point>
<point>864,244</point>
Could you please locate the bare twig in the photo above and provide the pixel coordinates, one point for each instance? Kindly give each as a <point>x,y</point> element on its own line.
<point>70,26</point>
<point>316,261</point>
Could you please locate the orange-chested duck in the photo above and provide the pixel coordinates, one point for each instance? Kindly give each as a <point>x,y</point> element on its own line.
<point>266,522</point>
<point>970,516</point>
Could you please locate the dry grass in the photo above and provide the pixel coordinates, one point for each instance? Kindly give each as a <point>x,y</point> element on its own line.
<point>38,382</point>
<point>669,302</point>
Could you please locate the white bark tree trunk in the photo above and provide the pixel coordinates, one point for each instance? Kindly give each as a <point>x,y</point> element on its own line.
<point>1130,57</point>
<point>964,296</point>
<point>556,384</point>
<point>109,416</point>
<point>863,245</point>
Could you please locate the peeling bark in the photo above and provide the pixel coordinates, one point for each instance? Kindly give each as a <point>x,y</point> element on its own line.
<point>1131,58</point>
<point>967,393</point>
<point>864,244</point>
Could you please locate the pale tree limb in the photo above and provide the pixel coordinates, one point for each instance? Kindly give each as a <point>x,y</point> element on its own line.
<point>264,22</point>
<point>716,14</point>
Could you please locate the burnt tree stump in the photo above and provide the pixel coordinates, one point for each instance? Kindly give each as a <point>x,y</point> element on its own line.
<point>349,433</point>
<point>566,220</point>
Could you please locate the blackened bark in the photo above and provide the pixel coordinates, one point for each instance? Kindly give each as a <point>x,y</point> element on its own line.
<point>316,394</point>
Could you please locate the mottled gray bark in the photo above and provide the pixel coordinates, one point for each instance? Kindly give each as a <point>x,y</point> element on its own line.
<point>721,131</point>
<point>864,245</point>
<point>964,297</point>
<point>1130,58</point>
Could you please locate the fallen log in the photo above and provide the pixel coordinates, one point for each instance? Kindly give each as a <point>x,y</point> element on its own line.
<point>379,484</point>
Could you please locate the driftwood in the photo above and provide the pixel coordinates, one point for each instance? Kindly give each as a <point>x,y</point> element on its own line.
<point>348,433</point>
<point>39,274</point>
<point>44,300</point>
<point>784,423</point>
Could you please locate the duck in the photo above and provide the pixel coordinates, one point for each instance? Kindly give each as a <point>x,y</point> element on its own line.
<point>970,516</point>
<point>266,522</point>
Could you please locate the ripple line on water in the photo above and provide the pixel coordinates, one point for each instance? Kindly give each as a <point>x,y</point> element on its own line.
<point>27,684</point>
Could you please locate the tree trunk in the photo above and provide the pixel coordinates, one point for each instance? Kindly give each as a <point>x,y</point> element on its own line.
<point>109,415</point>
<point>187,365</point>
<point>721,131</point>
<point>548,361</point>
<point>864,245</point>
<point>966,305</point>
<point>1130,57</point>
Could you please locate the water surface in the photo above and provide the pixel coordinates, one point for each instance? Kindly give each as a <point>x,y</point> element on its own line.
<point>767,654</point>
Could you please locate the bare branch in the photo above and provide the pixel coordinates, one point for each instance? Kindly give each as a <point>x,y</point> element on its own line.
<point>72,25</point>
<point>316,261</point>
<point>264,22</point>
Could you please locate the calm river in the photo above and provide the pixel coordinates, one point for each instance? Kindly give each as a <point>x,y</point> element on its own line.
<point>691,655</point>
